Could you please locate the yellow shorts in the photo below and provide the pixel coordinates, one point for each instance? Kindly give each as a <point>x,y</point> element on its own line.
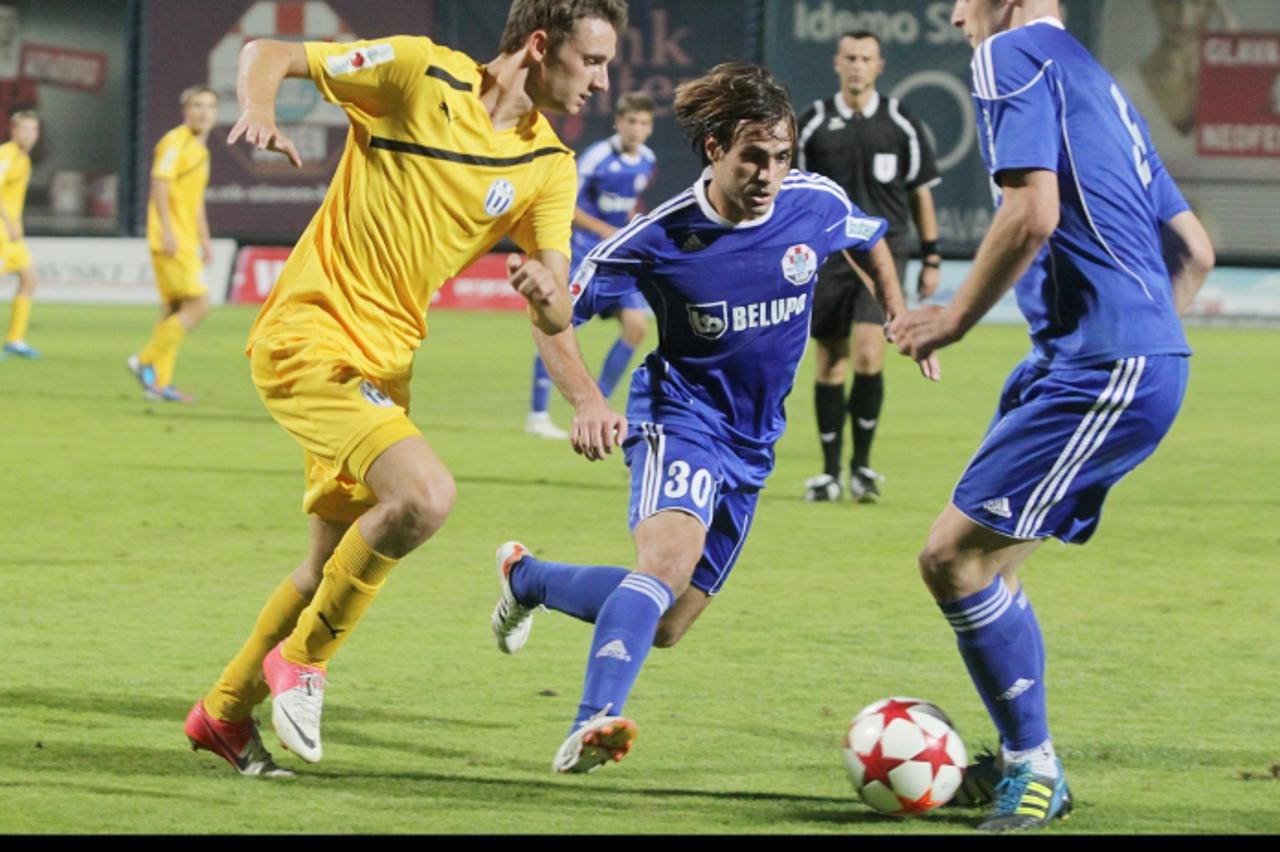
<point>14,257</point>
<point>342,419</point>
<point>180,277</point>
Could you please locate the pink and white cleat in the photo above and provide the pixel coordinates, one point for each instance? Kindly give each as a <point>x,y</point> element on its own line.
<point>237,743</point>
<point>297,696</point>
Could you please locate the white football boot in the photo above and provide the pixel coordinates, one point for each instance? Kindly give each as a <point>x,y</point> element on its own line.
<point>597,741</point>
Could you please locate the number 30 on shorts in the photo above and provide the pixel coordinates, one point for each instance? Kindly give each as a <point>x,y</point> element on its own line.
<point>679,482</point>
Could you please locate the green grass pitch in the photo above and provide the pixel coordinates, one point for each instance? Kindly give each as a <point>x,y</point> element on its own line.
<point>139,541</point>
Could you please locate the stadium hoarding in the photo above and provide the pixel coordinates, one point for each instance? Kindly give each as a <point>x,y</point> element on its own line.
<point>926,67</point>
<point>68,60</point>
<point>483,286</point>
<point>258,195</point>
<point>1206,78</point>
<point>112,271</point>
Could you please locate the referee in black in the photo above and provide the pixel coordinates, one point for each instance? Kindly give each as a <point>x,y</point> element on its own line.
<point>877,151</point>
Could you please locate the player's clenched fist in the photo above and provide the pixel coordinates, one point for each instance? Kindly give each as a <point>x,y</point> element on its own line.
<point>532,280</point>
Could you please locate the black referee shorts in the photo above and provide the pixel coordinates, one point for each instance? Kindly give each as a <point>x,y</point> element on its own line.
<point>840,298</point>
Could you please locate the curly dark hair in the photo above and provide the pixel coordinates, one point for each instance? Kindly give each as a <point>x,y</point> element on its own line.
<point>558,18</point>
<point>727,100</point>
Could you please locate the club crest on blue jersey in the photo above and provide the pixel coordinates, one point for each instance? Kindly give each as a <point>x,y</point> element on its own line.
<point>799,264</point>
<point>501,194</point>
<point>709,320</point>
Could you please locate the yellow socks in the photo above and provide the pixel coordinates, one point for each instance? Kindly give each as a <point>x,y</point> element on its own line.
<point>352,578</point>
<point>18,318</point>
<point>162,350</point>
<point>240,688</point>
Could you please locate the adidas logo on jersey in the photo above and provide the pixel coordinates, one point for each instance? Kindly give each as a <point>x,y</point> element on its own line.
<point>1020,686</point>
<point>691,244</point>
<point>616,650</point>
<point>999,507</point>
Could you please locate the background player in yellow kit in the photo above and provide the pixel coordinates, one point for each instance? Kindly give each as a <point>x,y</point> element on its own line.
<point>178,235</point>
<point>445,156</point>
<point>15,174</point>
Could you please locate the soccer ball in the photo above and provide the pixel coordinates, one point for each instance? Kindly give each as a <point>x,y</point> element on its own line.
<point>904,756</point>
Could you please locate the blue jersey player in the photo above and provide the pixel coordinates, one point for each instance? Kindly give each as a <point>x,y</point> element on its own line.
<point>611,175</point>
<point>729,268</point>
<point>1104,255</point>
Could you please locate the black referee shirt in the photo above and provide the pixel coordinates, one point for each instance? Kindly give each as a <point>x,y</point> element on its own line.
<point>878,156</point>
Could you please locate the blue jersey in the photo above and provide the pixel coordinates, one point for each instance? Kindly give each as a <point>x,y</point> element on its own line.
<point>609,186</point>
<point>732,305</point>
<point>1099,290</point>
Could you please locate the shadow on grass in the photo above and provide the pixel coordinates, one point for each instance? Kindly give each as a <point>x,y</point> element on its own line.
<point>346,718</point>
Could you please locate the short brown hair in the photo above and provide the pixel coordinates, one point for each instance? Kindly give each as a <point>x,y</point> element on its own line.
<point>194,91</point>
<point>24,115</point>
<point>728,99</point>
<point>557,18</point>
<point>633,102</point>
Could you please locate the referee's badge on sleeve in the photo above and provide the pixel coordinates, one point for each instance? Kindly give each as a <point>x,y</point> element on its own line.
<point>885,167</point>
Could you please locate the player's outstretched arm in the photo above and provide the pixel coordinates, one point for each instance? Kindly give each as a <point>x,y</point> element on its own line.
<point>1189,254</point>
<point>597,429</point>
<point>1027,217</point>
<point>263,66</point>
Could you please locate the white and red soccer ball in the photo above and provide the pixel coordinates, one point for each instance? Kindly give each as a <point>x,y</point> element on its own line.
<point>904,756</point>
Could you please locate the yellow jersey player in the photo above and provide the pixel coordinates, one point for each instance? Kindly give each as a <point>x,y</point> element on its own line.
<point>15,174</point>
<point>445,156</point>
<point>178,236</point>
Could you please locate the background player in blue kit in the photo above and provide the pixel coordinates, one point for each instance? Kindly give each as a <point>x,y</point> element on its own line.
<point>611,176</point>
<point>1105,254</point>
<point>729,268</point>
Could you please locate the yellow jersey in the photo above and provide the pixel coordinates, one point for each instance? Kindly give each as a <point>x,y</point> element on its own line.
<point>182,160</point>
<point>15,174</point>
<point>424,187</point>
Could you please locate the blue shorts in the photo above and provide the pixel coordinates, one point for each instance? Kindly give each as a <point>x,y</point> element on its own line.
<point>687,473</point>
<point>1061,438</point>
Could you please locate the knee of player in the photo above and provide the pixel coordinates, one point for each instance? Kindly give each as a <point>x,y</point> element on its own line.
<point>635,325</point>
<point>938,563</point>
<point>423,510</point>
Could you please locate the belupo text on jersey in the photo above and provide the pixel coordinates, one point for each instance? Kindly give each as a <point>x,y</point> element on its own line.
<point>713,320</point>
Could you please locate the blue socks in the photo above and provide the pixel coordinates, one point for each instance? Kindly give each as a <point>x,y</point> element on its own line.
<point>625,628</point>
<point>577,590</point>
<point>615,367</point>
<point>541,386</point>
<point>1001,644</point>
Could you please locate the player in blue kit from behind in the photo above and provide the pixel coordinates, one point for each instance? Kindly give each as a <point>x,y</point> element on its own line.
<point>611,175</point>
<point>728,267</point>
<point>1104,254</point>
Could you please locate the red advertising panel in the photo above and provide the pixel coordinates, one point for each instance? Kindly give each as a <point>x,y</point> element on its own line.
<point>1239,106</point>
<point>482,287</point>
